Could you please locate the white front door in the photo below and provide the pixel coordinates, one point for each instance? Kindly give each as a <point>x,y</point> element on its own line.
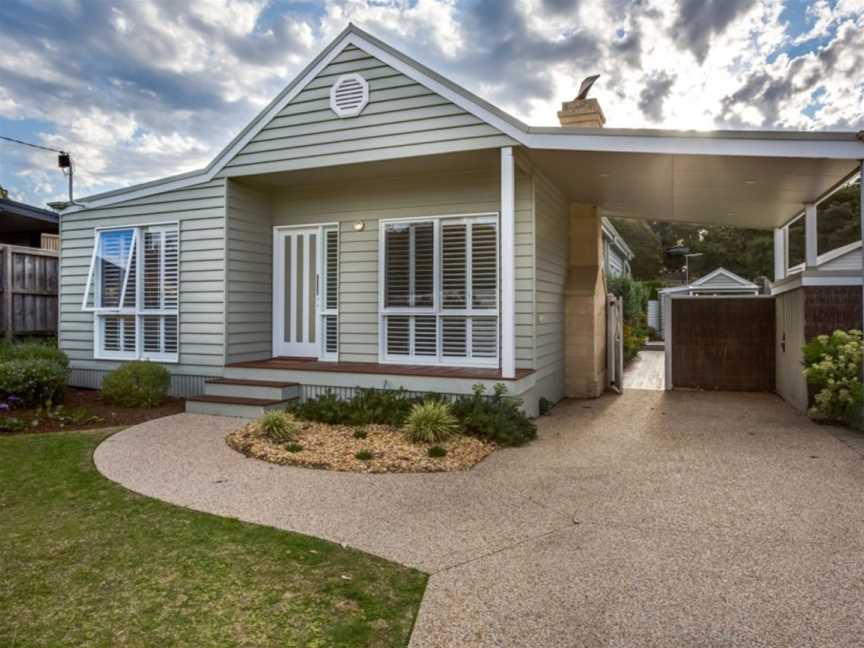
<point>295,292</point>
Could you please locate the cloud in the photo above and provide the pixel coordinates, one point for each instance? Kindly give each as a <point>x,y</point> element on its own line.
<point>657,89</point>
<point>140,89</point>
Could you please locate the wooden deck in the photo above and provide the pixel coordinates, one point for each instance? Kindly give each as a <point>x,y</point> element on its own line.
<point>312,364</point>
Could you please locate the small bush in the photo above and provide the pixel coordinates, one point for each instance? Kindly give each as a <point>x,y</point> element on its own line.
<point>366,407</point>
<point>363,455</point>
<point>33,350</point>
<point>10,424</point>
<point>436,452</point>
<point>359,433</point>
<point>137,384</point>
<point>545,406</point>
<point>832,365</point>
<point>496,418</point>
<point>278,426</point>
<point>33,381</point>
<point>633,342</point>
<point>294,447</point>
<point>430,422</point>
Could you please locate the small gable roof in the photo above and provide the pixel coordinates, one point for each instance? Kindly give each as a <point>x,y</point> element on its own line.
<point>723,278</point>
<point>847,257</point>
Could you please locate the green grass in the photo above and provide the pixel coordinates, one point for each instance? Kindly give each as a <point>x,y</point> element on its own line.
<point>84,562</point>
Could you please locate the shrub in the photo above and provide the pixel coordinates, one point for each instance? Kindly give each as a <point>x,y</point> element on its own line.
<point>437,452</point>
<point>32,381</point>
<point>832,365</point>
<point>363,455</point>
<point>635,297</point>
<point>137,384</point>
<point>278,426</point>
<point>496,418</point>
<point>294,447</point>
<point>359,433</point>
<point>633,342</point>
<point>367,406</point>
<point>545,406</point>
<point>9,424</point>
<point>33,350</point>
<point>430,422</point>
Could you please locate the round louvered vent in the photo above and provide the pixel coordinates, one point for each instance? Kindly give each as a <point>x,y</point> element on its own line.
<point>349,95</point>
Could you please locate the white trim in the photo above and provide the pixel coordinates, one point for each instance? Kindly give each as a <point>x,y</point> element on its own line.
<point>507,263</point>
<point>836,253</point>
<point>666,307</point>
<point>721,271</point>
<point>811,236</point>
<point>802,280</point>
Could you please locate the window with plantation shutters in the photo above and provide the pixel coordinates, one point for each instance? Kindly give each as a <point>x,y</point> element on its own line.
<point>440,290</point>
<point>133,290</point>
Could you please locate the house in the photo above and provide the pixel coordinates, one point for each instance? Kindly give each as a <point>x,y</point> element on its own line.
<point>817,297</point>
<point>28,226</point>
<point>617,255</point>
<point>379,226</point>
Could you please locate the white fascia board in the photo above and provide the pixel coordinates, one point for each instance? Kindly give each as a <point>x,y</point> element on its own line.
<point>716,144</point>
<point>804,280</point>
<point>731,276</point>
<point>610,230</point>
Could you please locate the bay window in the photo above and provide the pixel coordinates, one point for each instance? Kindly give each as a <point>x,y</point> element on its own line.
<point>439,290</point>
<point>133,291</point>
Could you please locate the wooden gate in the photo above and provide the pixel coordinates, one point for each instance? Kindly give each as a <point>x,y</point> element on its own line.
<point>721,343</point>
<point>28,291</point>
<point>615,343</point>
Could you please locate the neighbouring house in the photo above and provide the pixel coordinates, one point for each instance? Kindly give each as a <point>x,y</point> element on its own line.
<point>617,255</point>
<point>379,226</point>
<point>717,282</point>
<point>813,298</point>
<point>28,226</point>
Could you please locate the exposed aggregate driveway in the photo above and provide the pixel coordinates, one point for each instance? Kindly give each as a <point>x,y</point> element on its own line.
<point>648,519</point>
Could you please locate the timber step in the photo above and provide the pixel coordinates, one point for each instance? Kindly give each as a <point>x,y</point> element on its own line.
<point>250,383</point>
<point>238,406</point>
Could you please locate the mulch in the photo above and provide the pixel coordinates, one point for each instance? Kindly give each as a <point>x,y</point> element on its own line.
<point>332,447</point>
<point>108,415</point>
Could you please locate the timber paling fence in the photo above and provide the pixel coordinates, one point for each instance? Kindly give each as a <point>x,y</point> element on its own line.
<point>29,278</point>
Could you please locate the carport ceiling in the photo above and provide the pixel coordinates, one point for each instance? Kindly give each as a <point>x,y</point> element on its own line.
<point>757,192</point>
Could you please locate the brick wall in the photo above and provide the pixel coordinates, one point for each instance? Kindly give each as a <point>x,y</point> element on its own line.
<point>828,308</point>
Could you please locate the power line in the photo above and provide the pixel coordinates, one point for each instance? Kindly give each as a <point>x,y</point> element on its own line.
<point>30,144</point>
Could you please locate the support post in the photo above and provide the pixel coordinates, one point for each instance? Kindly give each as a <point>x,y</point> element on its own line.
<point>780,262</point>
<point>811,237</point>
<point>861,232</point>
<point>508,264</point>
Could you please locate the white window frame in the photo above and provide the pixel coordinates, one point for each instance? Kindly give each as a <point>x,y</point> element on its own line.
<point>138,311</point>
<point>436,309</point>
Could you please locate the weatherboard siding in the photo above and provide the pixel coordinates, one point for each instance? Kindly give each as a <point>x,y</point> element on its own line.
<point>551,210</point>
<point>249,274</point>
<point>403,118</point>
<point>200,211</point>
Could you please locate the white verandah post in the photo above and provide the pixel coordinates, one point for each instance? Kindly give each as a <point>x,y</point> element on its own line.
<point>780,261</point>
<point>508,264</point>
<point>811,237</point>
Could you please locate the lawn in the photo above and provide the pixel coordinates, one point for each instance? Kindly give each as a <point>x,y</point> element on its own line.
<point>84,562</point>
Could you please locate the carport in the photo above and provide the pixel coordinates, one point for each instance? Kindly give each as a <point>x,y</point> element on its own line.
<point>753,179</point>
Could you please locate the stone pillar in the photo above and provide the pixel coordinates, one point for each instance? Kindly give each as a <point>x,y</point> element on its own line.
<point>585,306</point>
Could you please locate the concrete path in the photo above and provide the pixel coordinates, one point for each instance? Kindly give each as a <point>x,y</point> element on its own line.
<point>647,371</point>
<point>649,519</point>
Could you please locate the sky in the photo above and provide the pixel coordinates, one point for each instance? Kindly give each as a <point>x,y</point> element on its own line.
<point>141,89</point>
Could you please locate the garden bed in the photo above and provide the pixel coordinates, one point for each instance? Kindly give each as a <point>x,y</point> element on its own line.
<point>333,447</point>
<point>83,409</point>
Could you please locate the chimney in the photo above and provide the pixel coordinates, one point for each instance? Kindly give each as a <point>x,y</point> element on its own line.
<point>582,112</point>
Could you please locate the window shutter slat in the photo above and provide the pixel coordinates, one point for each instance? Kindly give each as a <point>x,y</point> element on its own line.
<point>331,251</point>
<point>425,335</point>
<point>397,262</point>
<point>454,265</point>
<point>398,335</point>
<point>153,270</point>
<point>484,265</point>
<point>484,337</point>
<point>424,265</point>
<point>171,270</point>
<point>454,337</point>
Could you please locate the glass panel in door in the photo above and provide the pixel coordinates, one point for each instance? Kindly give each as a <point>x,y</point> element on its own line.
<point>296,304</point>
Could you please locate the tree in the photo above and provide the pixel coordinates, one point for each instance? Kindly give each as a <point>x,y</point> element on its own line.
<point>3,192</point>
<point>647,263</point>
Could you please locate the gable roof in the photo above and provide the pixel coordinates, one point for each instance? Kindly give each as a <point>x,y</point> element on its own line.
<point>724,277</point>
<point>841,258</point>
<point>842,145</point>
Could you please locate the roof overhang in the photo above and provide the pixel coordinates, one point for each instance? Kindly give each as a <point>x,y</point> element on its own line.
<point>661,175</point>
